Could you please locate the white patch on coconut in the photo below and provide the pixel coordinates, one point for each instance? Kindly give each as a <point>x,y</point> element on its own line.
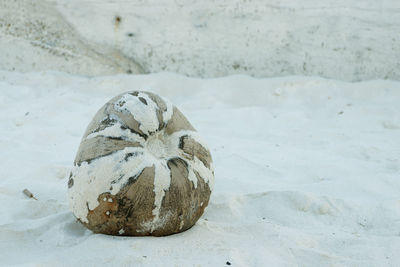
<point>116,131</point>
<point>110,200</point>
<point>181,224</point>
<point>204,172</point>
<point>162,181</point>
<point>192,177</point>
<point>112,171</point>
<point>157,145</point>
<point>121,231</point>
<point>145,114</point>
<point>167,114</point>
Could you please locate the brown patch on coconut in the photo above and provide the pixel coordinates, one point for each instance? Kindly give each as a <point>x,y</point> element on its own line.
<point>101,146</point>
<point>194,149</point>
<point>178,122</point>
<point>183,204</point>
<point>128,210</point>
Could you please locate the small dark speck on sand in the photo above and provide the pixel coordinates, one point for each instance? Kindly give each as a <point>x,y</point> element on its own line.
<point>228,263</point>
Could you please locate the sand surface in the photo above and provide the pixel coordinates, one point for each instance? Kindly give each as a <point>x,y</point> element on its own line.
<point>306,171</point>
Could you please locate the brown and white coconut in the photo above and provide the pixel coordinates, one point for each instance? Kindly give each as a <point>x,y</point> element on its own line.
<point>141,169</point>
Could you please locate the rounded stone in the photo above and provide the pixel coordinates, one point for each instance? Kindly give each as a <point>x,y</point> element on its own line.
<point>141,169</point>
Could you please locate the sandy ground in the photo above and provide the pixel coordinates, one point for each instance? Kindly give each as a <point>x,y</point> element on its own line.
<point>307,171</point>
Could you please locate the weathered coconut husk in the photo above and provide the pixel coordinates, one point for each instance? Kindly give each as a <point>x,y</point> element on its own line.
<point>141,169</point>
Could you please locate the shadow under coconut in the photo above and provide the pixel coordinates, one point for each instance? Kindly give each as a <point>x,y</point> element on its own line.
<point>75,228</point>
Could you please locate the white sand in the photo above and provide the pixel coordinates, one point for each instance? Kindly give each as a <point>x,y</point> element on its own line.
<point>306,172</point>
<point>349,40</point>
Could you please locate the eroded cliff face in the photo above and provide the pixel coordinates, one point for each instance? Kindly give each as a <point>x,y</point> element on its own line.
<point>347,40</point>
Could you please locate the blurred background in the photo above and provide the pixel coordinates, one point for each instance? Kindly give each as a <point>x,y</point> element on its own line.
<point>351,41</point>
